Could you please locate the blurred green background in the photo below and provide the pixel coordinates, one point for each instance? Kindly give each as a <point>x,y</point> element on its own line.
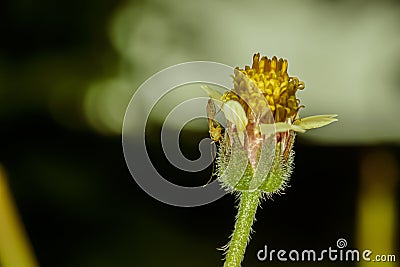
<point>69,68</point>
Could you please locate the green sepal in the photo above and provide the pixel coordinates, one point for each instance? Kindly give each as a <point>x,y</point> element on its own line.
<point>233,166</point>
<point>236,174</point>
<point>244,183</point>
<point>279,173</point>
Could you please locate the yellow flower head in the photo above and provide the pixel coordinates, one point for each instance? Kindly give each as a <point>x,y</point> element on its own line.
<point>271,78</point>
<point>265,84</point>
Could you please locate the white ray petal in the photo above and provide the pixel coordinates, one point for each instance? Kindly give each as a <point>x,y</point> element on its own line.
<point>280,127</point>
<point>235,113</point>
<point>214,94</point>
<point>317,121</point>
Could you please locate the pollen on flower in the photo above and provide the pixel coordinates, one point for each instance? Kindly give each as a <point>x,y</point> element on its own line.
<point>277,87</point>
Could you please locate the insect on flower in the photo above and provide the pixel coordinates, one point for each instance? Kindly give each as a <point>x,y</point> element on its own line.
<point>215,128</point>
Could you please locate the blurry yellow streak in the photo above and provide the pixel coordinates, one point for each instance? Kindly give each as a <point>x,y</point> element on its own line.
<point>15,250</point>
<point>377,218</point>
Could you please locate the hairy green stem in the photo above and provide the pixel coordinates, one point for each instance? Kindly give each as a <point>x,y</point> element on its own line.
<point>249,201</point>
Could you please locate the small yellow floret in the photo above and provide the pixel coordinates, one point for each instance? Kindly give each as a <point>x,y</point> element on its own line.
<point>278,88</point>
